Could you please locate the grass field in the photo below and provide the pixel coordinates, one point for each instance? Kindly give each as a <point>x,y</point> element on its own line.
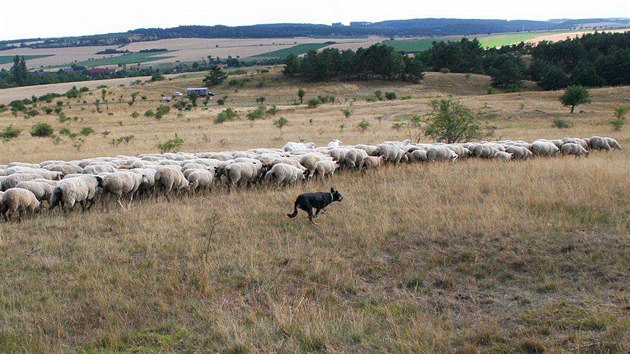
<point>297,50</point>
<point>5,59</point>
<point>133,58</point>
<point>414,45</point>
<point>475,256</point>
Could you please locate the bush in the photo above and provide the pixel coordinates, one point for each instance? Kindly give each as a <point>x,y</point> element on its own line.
<point>135,115</point>
<point>560,123</point>
<point>273,110</point>
<point>260,100</point>
<point>491,90</point>
<point>346,112</point>
<point>445,70</point>
<point>58,110</point>
<point>314,102</point>
<point>326,99</point>
<point>452,122</point>
<point>617,124</point>
<point>87,131</point>
<point>9,133</point>
<point>149,113</point>
<point>379,95</point>
<point>48,110</point>
<point>280,122</point>
<point>363,125</point>
<point>32,112</point>
<point>390,95</point>
<point>225,115</point>
<point>42,130</point>
<point>161,111</point>
<point>157,77</point>
<point>258,113</point>
<point>171,145</point>
<point>179,105</point>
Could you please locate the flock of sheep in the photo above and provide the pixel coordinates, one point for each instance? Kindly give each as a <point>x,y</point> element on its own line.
<point>26,186</point>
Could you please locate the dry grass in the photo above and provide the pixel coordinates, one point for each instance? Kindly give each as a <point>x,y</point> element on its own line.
<point>476,256</point>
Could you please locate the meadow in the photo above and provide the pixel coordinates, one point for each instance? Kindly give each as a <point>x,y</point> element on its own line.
<point>296,50</point>
<point>475,256</point>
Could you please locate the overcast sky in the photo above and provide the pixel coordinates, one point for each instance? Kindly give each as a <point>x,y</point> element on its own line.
<point>54,18</point>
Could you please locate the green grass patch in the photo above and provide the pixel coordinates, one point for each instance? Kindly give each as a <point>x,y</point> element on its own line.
<point>297,50</point>
<point>414,45</point>
<point>133,58</point>
<point>6,59</point>
<point>499,40</point>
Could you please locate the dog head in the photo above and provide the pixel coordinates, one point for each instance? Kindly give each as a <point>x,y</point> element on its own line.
<point>336,196</point>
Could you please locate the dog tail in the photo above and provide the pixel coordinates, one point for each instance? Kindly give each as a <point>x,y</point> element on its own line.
<point>295,210</point>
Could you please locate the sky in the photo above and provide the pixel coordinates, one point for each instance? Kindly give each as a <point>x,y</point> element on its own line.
<point>20,19</point>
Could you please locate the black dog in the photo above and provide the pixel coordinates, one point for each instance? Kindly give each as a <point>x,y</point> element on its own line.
<point>319,201</point>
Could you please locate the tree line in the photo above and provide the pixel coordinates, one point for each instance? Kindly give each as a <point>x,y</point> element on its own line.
<point>379,61</point>
<point>592,60</point>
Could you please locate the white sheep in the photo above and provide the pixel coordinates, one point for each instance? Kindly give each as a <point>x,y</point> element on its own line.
<point>573,149</point>
<point>325,168</point>
<point>544,148</point>
<point>18,201</point>
<point>122,183</point>
<point>82,190</point>
<point>285,174</point>
<point>200,180</point>
<point>441,153</point>
<point>171,180</point>
<point>43,191</point>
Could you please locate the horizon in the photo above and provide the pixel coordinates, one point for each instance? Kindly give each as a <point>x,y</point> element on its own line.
<point>75,21</point>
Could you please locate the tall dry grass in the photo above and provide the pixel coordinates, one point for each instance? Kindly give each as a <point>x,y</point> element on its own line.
<point>476,256</point>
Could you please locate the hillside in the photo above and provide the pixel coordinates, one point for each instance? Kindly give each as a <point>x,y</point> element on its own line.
<point>472,256</point>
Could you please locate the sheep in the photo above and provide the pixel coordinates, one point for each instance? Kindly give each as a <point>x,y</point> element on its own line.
<point>440,153</point>
<point>373,162</point>
<point>64,169</point>
<point>518,152</point>
<point>285,174</point>
<point>573,149</point>
<point>43,191</point>
<point>544,148</point>
<point>200,179</point>
<point>239,173</point>
<point>461,151</point>
<point>371,150</point>
<point>309,160</point>
<point>502,155</point>
<point>417,155</point>
<point>18,201</point>
<point>171,180</point>
<point>354,158</point>
<point>391,153</point>
<point>291,146</point>
<point>485,151</point>
<point>578,141</point>
<point>82,189</point>
<point>12,180</point>
<point>325,168</point>
<point>96,169</point>
<point>122,183</point>
<point>613,143</point>
<point>334,143</point>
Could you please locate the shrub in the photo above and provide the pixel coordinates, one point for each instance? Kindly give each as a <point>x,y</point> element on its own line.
<point>32,112</point>
<point>363,125</point>
<point>445,70</point>
<point>258,113</point>
<point>560,123</point>
<point>280,122</point>
<point>617,124</point>
<point>273,110</point>
<point>314,102</point>
<point>57,110</point>
<point>171,145</point>
<point>452,122</point>
<point>67,132</point>
<point>390,95</point>
<point>157,77</point>
<point>301,94</point>
<point>179,105</point>
<point>491,90</point>
<point>326,99</point>
<point>225,115</point>
<point>161,111</point>
<point>378,95</point>
<point>48,110</point>
<point>59,103</point>
<point>84,89</point>
<point>346,112</point>
<point>620,112</point>
<point>87,131</point>
<point>123,139</point>
<point>9,133</point>
<point>42,130</point>
<point>149,113</point>
<point>135,115</point>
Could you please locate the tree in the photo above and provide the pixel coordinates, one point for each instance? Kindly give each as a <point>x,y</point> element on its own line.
<point>215,77</point>
<point>193,99</point>
<point>19,70</point>
<point>575,95</point>
<point>505,70</point>
<point>280,122</point>
<point>452,122</point>
<point>554,79</point>
<point>292,66</point>
<point>301,94</point>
